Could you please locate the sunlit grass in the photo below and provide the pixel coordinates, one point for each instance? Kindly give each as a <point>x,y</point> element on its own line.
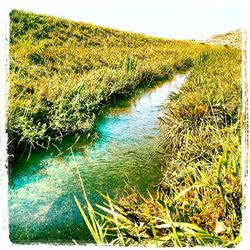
<point>62,72</point>
<point>199,200</point>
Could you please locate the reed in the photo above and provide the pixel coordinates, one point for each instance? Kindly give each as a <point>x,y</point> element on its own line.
<point>62,73</point>
<point>199,200</point>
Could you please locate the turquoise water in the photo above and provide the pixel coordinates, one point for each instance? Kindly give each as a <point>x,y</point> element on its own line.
<point>123,154</point>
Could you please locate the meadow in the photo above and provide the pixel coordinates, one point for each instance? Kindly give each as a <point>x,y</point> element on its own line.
<point>63,72</point>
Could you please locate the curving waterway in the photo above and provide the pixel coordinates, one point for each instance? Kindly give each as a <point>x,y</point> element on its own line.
<point>123,154</point>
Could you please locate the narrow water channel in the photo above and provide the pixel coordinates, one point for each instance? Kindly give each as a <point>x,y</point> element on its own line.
<point>124,153</point>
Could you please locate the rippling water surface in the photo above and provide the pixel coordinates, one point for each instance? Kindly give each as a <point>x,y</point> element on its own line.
<point>41,203</point>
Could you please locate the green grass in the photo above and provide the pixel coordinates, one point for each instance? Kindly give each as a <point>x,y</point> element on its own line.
<point>199,200</point>
<point>62,72</point>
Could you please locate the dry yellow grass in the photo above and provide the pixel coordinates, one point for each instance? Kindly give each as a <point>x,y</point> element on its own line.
<point>231,39</point>
<point>61,72</point>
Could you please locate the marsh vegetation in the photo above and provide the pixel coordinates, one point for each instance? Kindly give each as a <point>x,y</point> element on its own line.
<point>200,196</point>
<point>62,73</point>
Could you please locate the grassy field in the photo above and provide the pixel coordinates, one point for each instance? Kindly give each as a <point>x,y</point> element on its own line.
<point>62,72</point>
<point>199,200</point>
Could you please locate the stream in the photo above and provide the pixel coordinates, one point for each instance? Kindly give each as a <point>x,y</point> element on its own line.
<point>124,154</point>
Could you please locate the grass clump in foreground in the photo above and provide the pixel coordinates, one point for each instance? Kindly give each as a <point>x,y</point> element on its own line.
<point>199,199</point>
<point>62,72</point>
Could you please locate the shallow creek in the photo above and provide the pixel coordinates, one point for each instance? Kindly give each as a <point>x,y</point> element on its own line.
<point>124,153</point>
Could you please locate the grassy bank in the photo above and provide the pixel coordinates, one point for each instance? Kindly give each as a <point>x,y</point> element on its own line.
<point>62,72</point>
<point>199,200</point>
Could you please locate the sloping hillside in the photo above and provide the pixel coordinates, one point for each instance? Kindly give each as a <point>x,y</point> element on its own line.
<point>231,39</point>
<point>61,72</point>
